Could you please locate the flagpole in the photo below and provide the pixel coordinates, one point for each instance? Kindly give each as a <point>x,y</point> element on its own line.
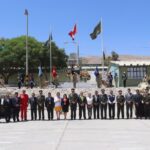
<point>102,48</point>
<point>78,54</point>
<point>50,52</point>
<point>27,69</point>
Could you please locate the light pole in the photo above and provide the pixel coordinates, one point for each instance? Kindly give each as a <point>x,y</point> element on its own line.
<point>77,45</point>
<point>27,61</point>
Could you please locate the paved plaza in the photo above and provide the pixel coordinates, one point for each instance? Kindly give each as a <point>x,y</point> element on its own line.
<point>76,135</point>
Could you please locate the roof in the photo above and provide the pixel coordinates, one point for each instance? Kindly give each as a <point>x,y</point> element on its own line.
<point>131,63</point>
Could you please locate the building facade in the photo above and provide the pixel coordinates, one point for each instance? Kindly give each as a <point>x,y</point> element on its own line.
<point>135,70</point>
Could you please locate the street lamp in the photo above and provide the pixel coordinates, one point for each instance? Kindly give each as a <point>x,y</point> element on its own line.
<point>77,50</point>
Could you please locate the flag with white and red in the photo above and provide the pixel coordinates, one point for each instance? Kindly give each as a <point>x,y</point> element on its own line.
<point>73,32</point>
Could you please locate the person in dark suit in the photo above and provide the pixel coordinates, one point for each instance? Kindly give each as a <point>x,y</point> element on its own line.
<point>40,103</point>
<point>16,107</point>
<point>73,99</point>
<point>96,105</point>
<point>82,105</point>
<point>33,106</point>
<point>124,78</point>
<point>146,100</point>
<point>7,107</point>
<point>120,104</point>
<point>111,104</point>
<point>129,103</point>
<point>49,103</point>
<point>103,101</point>
<point>65,105</point>
<point>138,104</point>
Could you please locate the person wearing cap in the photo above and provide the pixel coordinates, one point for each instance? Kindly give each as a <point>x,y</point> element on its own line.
<point>33,106</point>
<point>82,105</point>
<point>40,104</point>
<point>120,104</point>
<point>96,105</point>
<point>146,100</point>
<point>103,101</point>
<point>73,99</point>
<point>15,107</point>
<point>74,79</point>
<point>49,103</point>
<point>129,103</point>
<point>23,105</point>
<point>111,104</point>
<point>138,104</point>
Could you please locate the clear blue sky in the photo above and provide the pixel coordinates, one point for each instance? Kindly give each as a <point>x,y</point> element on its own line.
<point>126,23</point>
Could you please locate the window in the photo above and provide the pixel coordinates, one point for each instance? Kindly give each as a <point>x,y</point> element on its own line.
<point>136,72</point>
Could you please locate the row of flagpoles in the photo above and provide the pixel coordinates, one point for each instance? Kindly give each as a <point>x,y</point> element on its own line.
<point>97,30</point>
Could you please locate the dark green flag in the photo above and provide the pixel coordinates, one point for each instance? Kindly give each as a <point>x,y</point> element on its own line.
<point>96,31</point>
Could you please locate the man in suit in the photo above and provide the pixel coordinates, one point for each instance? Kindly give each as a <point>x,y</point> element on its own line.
<point>49,103</point>
<point>82,105</point>
<point>129,103</point>
<point>146,100</point>
<point>33,106</point>
<point>120,104</point>
<point>73,99</point>
<point>138,104</point>
<point>40,103</point>
<point>103,101</point>
<point>16,107</point>
<point>111,104</point>
<point>7,107</point>
<point>96,105</point>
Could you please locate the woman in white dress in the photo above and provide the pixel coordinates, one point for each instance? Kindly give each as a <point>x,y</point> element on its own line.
<point>89,105</point>
<point>58,108</point>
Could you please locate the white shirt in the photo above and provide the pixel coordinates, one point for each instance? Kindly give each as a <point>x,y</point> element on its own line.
<point>2,101</point>
<point>89,100</point>
<point>57,101</point>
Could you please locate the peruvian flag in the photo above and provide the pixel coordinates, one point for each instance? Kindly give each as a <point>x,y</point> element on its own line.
<point>73,32</point>
<point>54,72</point>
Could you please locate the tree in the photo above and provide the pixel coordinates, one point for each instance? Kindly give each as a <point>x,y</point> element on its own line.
<point>114,56</point>
<point>13,55</point>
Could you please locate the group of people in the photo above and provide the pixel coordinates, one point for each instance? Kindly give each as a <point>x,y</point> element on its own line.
<point>16,106</point>
<point>27,81</point>
<point>108,79</point>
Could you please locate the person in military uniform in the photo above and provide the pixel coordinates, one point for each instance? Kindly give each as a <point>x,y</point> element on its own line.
<point>49,103</point>
<point>96,105</point>
<point>124,79</point>
<point>73,99</point>
<point>103,101</point>
<point>120,104</point>
<point>33,106</point>
<point>129,103</point>
<point>98,77</point>
<point>16,107</point>
<point>7,107</point>
<point>146,100</point>
<point>74,79</point>
<point>82,105</point>
<point>40,103</point>
<point>138,103</point>
<point>111,105</point>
